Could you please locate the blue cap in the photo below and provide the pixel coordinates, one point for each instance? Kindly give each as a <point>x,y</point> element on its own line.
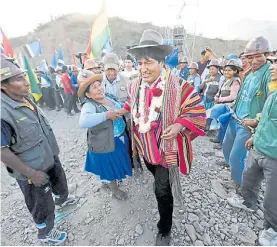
<point>231,56</point>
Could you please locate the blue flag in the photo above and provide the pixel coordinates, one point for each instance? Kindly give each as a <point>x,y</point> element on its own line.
<point>54,62</point>
<point>60,57</point>
<point>172,59</point>
<point>35,46</point>
<point>44,66</point>
<point>33,49</point>
<point>107,47</point>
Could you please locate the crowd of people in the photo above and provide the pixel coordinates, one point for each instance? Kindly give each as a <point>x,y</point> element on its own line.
<point>146,115</point>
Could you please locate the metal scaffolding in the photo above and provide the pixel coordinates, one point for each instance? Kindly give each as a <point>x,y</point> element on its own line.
<point>178,35</point>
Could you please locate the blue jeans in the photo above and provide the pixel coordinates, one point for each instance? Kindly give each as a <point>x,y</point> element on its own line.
<point>234,149</point>
<point>222,113</point>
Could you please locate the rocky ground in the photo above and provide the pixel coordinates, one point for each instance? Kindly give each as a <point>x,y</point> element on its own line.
<point>204,219</point>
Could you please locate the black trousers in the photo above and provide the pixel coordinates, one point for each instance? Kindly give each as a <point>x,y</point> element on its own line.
<point>39,200</point>
<point>48,96</point>
<point>163,196</point>
<point>70,102</point>
<point>58,99</point>
<point>74,102</point>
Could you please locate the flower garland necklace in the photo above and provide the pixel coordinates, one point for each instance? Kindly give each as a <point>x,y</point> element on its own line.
<point>154,108</point>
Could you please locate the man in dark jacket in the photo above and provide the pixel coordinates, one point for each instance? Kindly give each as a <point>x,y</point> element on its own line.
<point>30,152</point>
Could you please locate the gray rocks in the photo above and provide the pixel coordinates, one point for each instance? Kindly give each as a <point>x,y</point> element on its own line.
<point>247,236</point>
<point>184,221</point>
<point>207,239</point>
<point>192,217</point>
<point>212,222</point>
<point>121,241</point>
<point>259,224</point>
<point>89,220</point>
<point>187,239</point>
<point>204,224</point>
<point>234,229</point>
<point>205,218</point>
<point>96,189</point>
<point>4,194</point>
<point>234,220</point>
<point>204,184</point>
<point>198,243</point>
<point>213,197</point>
<point>198,227</point>
<point>218,189</point>
<point>139,229</point>
<point>70,237</point>
<point>72,188</point>
<point>191,232</point>
<point>260,213</point>
<point>217,243</point>
<point>195,188</point>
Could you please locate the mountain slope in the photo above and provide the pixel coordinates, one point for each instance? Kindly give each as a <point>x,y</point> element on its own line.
<point>76,27</point>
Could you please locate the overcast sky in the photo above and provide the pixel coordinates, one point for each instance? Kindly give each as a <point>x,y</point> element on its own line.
<point>211,17</point>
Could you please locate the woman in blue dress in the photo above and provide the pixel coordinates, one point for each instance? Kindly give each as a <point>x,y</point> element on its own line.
<point>107,155</point>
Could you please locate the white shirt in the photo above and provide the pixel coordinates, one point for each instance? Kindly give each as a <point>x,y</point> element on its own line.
<point>44,83</point>
<point>59,81</point>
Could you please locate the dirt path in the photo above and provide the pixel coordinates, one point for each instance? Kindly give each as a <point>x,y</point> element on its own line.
<point>205,217</point>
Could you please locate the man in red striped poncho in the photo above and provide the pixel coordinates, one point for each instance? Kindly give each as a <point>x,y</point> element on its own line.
<point>167,114</point>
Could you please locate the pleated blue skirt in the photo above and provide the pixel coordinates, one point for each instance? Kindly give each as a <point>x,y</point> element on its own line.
<point>111,166</point>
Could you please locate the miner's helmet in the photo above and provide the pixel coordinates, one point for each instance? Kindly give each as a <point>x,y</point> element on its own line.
<point>257,45</point>
<point>9,68</point>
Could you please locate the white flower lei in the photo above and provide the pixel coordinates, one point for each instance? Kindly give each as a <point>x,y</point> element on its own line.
<point>153,115</point>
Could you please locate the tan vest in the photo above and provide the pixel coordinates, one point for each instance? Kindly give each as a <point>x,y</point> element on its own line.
<point>121,87</point>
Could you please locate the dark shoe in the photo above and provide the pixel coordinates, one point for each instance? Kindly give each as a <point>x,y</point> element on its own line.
<point>217,147</point>
<point>221,163</point>
<point>58,109</point>
<point>69,114</point>
<point>136,164</point>
<point>162,240</point>
<point>208,124</point>
<point>239,190</point>
<point>214,140</point>
<point>77,111</point>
